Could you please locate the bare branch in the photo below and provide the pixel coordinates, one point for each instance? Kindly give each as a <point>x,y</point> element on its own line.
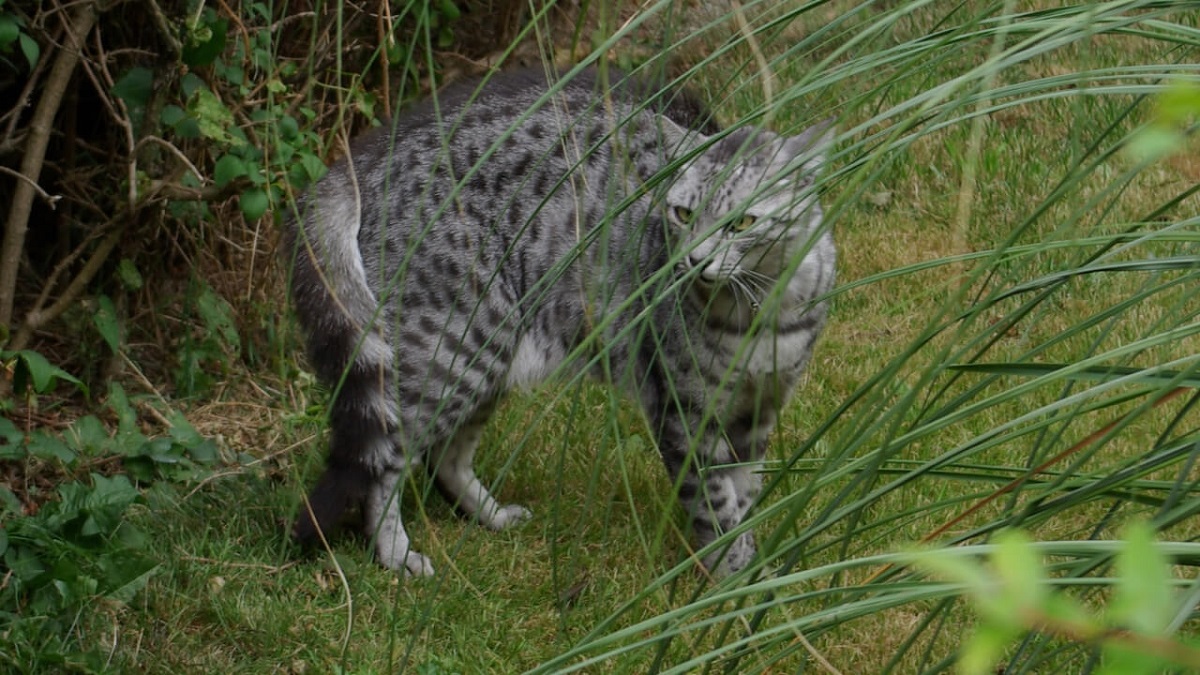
<point>82,19</point>
<point>40,317</point>
<point>51,200</point>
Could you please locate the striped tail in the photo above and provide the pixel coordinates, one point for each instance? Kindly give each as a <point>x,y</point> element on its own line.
<point>349,351</point>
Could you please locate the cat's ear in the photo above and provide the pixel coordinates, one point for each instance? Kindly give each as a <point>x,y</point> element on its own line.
<point>680,139</point>
<point>811,146</point>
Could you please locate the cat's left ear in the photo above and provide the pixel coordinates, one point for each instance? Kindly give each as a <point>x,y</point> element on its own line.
<point>811,146</point>
<point>680,139</point>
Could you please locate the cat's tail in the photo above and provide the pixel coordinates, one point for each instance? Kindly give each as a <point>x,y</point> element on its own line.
<point>339,489</point>
<point>347,346</point>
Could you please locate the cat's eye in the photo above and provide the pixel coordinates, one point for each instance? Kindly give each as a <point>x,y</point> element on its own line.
<point>742,224</point>
<point>682,214</point>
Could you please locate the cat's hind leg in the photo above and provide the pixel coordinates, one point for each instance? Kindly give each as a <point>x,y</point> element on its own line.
<point>392,546</point>
<point>454,471</point>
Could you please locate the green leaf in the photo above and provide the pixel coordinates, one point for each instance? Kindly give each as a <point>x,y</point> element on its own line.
<point>449,10</point>
<point>24,563</point>
<point>34,370</point>
<point>3,541</point>
<point>254,203</point>
<point>128,273</point>
<point>8,502</point>
<point>1179,103</point>
<point>135,87</point>
<point>30,48</point>
<point>190,84</point>
<point>44,445</point>
<point>1120,659</point>
<point>314,168</point>
<point>288,127</point>
<point>128,578</point>
<point>199,448</point>
<point>984,648</point>
<point>228,168</point>
<point>106,322</point>
<point>217,316</point>
<point>129,437</point>
<point>12,440</point>
<point>172,115</point>
<point>90,435</point>
<point>112,494</point>
<point>1020,570</point>
<point>205,41</point>
<point>1155,142</point>
<point>1142,600</point>
<point>212,116</point>
<point>10,30</point>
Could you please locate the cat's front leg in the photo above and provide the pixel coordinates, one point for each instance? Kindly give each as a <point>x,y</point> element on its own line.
<point>393,549</point>
<point>724,497</point>
<point>717,490</point>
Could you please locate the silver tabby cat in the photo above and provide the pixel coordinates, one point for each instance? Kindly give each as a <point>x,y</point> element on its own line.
<point>506,231</point>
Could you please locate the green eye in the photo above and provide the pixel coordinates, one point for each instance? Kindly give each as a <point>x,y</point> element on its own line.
<point>742,224</point>
<point>682,215</point>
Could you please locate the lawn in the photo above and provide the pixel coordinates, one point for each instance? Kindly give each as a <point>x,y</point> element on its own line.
<point>992,223</point>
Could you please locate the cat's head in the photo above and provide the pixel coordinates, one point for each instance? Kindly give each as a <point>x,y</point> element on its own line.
<point>742,207</point>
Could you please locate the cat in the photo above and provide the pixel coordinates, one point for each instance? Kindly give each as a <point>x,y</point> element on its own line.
<point>505,230</point>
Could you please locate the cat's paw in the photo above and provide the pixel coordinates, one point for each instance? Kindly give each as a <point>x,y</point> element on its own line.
<point>737,556</point>
<point>507,516</point>
<point>413,564</point>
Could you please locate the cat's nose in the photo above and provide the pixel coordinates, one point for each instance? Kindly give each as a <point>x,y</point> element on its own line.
<point>706,270</point>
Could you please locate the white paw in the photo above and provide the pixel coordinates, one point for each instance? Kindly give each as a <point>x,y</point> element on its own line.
<point>417,565</point>
<point>507,516</point>
<point>724,562</point>
<point>412,563</point>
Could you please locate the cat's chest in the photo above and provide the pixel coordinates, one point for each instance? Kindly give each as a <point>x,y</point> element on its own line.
<point>760,355</point>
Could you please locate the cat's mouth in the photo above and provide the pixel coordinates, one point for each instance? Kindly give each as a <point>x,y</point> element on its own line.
<point>698,279</point>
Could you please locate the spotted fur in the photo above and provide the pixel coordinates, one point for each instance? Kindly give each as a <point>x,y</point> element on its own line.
<point>509,230</point>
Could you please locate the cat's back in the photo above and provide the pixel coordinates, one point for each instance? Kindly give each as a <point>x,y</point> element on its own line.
<point>505,115</point>
<point>509,109</point>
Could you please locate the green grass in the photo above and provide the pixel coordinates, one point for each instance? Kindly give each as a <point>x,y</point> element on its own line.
<point>953,145</point>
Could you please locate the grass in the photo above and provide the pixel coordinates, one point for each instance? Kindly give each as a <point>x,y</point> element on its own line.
<point>974,161</point>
